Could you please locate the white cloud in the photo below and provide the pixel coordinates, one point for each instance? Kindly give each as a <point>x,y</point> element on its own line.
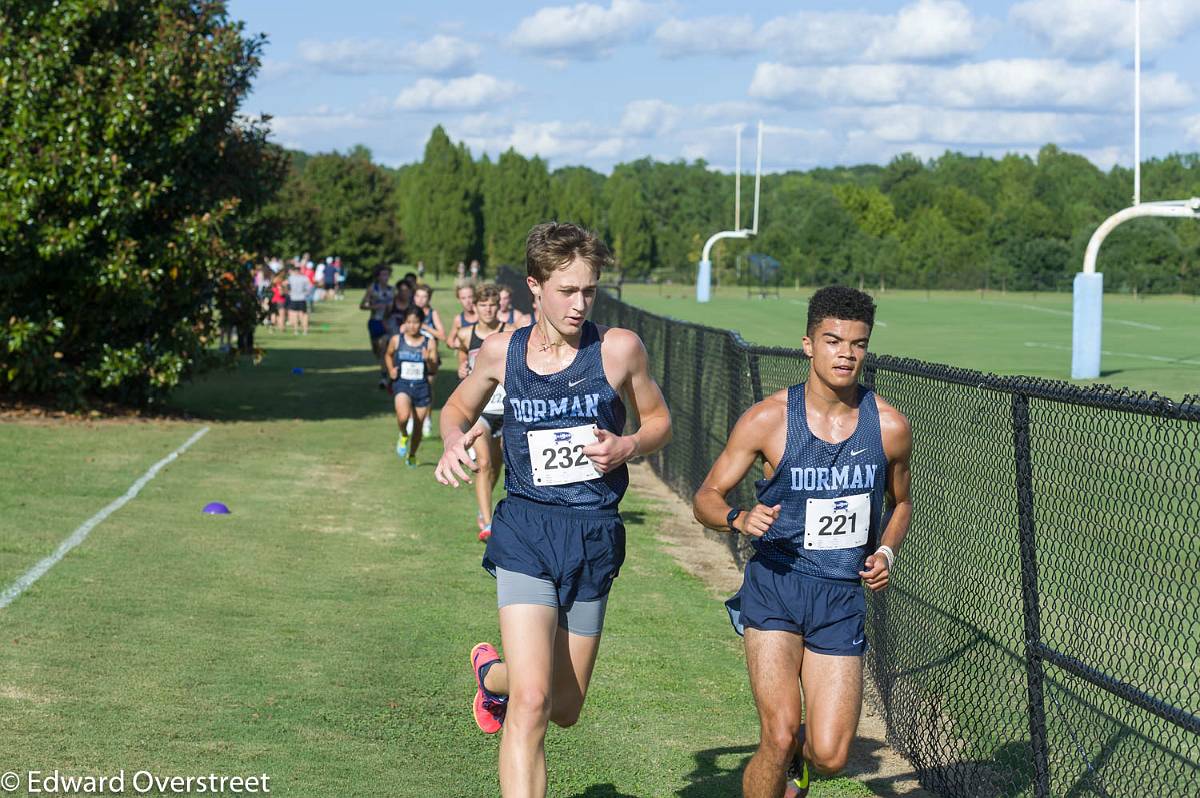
<point>911,123</point>
<point>439,55</point>
<point>1096,29</point>
<point>928,30</point>
<point>553,140</point>
<point>273,69</point>
<point>458,94</point>
<point>584,31</point>
<point>728,36</point>
<point>1004,84</point>
<point>296,130</point>
<point>1193,129</point>
<point>655,118</point>
<point>925,30</point>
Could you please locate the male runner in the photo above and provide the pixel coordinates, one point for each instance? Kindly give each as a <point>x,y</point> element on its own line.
<point>509,314</point>
<point>377,299</point>
<point>487,446</point>
<point>411,357</point>
<point>466,297</point>
<point>833,451</point>
<point>299,292</point>
<point>557,540</point>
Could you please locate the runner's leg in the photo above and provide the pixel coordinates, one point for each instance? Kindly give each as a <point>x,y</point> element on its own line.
<point>528,632</point>
<point>833,699</point>
<point>773,659</point>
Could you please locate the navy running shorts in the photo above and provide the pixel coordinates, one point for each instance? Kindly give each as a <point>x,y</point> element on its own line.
<point>494,423</point>
<point>417,390</point>
<point>579,551</point>
<point>375,328</point>
<point>829,614</point>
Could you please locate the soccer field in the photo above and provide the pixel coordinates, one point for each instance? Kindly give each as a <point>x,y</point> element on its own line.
<point>1149,344</point>
<point>320,633</point>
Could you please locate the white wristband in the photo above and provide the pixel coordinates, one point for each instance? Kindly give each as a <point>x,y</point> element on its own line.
<point>886,551</point>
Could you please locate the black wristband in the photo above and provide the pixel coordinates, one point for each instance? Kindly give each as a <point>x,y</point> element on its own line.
<point>733,514</point>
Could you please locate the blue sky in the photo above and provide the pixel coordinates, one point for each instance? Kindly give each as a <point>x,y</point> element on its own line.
<point>606,81</point>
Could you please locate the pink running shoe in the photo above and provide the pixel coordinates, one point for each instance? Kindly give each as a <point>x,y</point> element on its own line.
<point>485,533</point>
<point>489,709</point>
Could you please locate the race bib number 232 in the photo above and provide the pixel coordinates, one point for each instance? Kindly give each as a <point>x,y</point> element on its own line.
<point>556,455</point>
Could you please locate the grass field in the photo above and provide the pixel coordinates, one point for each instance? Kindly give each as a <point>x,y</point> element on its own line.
<point>1149,344</point>
<point>319,634</point>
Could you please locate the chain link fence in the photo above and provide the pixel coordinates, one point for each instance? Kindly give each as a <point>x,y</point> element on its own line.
<point>1041,632</point>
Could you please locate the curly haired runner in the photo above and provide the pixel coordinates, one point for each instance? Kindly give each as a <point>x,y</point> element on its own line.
<point>557,539</point>
<point>834,453</point>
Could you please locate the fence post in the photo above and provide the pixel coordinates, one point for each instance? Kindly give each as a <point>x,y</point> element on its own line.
<point>755,377</point>
<point>698,429</point>
<point>664,471</point>
<point>1034,667</point>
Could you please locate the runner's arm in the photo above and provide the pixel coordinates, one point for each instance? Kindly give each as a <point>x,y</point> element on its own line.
<point>439,332</point>
<point>462,410</point>
<point>432,358</point>
<point>897,442</point>
<point>389,360</point>
<point>744,447</point>
<point>897,445</point>
<point>654,431</point>
<point>461,342</point>
<point>365,304</point>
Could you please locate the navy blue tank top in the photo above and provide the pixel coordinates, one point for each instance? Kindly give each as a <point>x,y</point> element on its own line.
<point>577,395</point>
<point>832,479</point>
<point>406,352</point>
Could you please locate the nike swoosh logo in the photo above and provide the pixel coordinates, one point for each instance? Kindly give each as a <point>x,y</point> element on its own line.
<point>573,384</point>
<point>857,452</point>
<point>856,642</point>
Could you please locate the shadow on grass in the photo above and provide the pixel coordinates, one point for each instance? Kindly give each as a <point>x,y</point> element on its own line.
<point>603,791</point>
<point>712,780</point>
<point>300,384</point>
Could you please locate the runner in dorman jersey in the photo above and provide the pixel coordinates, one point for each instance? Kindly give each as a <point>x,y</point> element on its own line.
<point>411,357</point>
<point>487,445</point>
<point>465,292</point>
<point>508,313</point>
<point>829,516</point>
<point>557,539</point>
<point>377,299</point>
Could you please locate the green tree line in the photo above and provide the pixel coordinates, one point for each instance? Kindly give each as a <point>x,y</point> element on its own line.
<point>956,221</point>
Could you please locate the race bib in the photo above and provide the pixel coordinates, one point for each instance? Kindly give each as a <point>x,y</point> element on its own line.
<point>841,523</point>
<point>412,369</point>
<point>495,405</point>
<point>556,455</point>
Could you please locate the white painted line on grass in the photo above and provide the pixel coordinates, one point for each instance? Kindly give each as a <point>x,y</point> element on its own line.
<point>1159,358</point>
<point>79,535</point>
<point>1058,312</point>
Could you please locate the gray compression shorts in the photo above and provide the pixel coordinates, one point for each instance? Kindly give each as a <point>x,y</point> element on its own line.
<point>583,618</point>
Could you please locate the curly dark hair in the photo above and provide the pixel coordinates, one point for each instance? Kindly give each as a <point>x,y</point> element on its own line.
<point>840,302</point>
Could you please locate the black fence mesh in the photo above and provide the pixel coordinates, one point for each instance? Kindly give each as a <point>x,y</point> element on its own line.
<point>1041,633</point>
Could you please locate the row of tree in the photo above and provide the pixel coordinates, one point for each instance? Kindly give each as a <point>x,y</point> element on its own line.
<point>134,199</point>
<point>954,222</point>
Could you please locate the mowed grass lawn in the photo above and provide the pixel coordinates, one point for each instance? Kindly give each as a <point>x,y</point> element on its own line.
<point>320,633</point>
<point>1149,344</point>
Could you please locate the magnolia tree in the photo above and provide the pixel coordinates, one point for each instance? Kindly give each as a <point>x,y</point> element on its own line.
<point>129,193</point>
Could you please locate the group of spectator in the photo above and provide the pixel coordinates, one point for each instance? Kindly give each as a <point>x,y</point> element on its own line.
<point>287,292</point>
